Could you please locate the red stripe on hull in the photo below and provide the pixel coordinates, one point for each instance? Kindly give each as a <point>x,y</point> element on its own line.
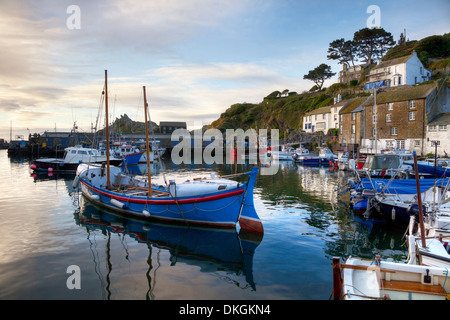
<point>166,202</point>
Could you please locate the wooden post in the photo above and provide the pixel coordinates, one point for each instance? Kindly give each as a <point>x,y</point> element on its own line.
<point>419,201</point>
<point>337,281</point>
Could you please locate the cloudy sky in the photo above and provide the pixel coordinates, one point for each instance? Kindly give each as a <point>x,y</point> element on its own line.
<point>195,57</point>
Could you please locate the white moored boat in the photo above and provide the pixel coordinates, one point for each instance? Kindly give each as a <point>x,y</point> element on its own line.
<point>382,280</point>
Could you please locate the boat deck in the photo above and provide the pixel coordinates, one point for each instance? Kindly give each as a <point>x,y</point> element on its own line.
<point>139,191</point>
<point>411,286</point>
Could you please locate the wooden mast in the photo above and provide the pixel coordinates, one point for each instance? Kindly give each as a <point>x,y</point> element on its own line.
<point>148,147</point>
<point>108,182</point>
<point>419,202</point>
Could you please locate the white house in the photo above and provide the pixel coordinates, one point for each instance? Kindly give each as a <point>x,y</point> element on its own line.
<point>407,70</point>
<point>438,130</point>
<point>323,119</point>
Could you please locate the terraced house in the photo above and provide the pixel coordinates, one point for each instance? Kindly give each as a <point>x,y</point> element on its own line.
<point>351,125</point>
<point>397,118</point>
<point>323,119</point>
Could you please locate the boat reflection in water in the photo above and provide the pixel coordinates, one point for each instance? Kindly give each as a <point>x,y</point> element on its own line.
<point>211,249</point>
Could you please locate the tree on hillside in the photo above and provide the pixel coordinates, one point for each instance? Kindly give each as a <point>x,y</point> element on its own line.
<point>319,75</point>
<point>372,43</point>
<point>402,39</point>
<point>342,51</point>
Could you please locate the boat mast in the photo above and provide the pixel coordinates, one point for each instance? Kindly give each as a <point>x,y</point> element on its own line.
<point>148,147</point>
<point>419,202</point>
<point>108,182</point>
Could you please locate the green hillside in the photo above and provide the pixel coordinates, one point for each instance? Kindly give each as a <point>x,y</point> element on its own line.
<point>433,51</point>
<point>283,113</point>
<point>286,113</point>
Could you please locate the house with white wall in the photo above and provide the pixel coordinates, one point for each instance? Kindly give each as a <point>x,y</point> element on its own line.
<point>323,119</point>
<point>438,133</point>
<point>407,70</point>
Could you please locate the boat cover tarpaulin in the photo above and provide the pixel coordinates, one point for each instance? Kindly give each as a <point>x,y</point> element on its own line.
<point>401,186</point>
<point>440,172</point>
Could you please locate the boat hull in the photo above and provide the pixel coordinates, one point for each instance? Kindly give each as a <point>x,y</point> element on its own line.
<point>438,172</point>
<point>58,165</point>
<point>132,158</point>
<point>315,161</point>
<point>395,213</point>
<point>220,209</point>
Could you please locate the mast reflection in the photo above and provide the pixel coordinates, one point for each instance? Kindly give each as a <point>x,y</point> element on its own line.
<point>210,249</point>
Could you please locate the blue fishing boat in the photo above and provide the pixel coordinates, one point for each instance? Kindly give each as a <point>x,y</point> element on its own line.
<point>440,170</point>
<point>384,195</point>
<point>214,202</point>
<point>324,158</point>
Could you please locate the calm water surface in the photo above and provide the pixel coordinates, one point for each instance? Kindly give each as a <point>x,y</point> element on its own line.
<point>46,227</point>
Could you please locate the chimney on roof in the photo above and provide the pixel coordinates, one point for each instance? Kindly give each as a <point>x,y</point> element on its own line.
<point>338,98</point>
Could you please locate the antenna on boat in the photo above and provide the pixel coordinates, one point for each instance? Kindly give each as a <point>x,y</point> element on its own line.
<point>108,182</point>
<point>148,147</point>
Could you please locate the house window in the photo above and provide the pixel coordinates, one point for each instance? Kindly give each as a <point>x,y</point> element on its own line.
<point>353,128</point>
<point>442,127</point>
<point>340,129</point>
<point>400,144</point>
<point>353,116</point>
<point>412,115</point>
<point>431,128</point>
<point>412,104</point>
<point>336,125</point>
<point>388,117</point>
<point>390,106</point>
<point>399,80</point>
<point>394,131</point>
<point>340,118</point>
<point>390,144</point>
<point>416,143</point>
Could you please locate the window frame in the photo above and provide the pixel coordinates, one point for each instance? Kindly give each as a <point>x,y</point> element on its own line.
<point>394,131</point>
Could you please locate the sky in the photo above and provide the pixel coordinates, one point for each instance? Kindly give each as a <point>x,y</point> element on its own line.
<point>195,57</point>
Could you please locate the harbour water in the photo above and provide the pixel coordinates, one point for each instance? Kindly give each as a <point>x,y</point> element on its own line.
<point>47,228</point>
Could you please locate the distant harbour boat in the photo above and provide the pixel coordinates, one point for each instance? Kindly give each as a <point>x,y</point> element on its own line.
<point>73,156</point>
<point>324,158</point>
